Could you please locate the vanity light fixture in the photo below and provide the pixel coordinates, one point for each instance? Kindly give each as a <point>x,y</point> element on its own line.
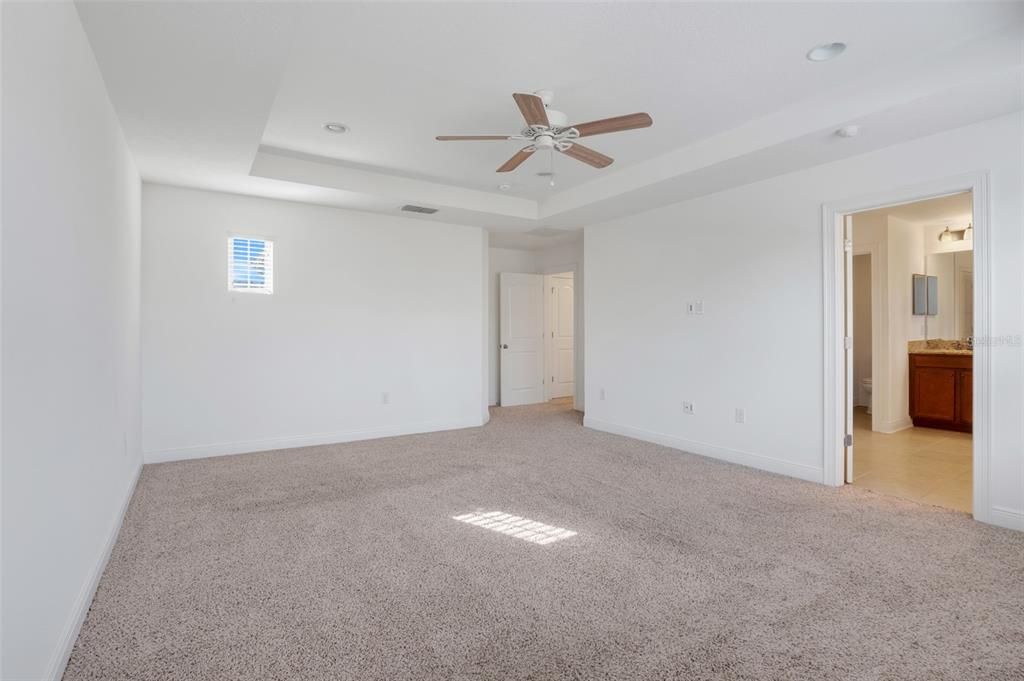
<point>949,235</point>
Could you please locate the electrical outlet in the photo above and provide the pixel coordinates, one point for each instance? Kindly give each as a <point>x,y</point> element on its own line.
<point>602,393</point>
<point>691,308</point>
<point>385,398</point>
<point>741,415</point>
<point>688,408</point>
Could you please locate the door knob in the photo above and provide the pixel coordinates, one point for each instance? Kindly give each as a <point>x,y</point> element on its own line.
<point>504,347</point>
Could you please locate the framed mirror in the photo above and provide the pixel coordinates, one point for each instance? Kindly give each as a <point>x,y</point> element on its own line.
<point>926,294</point>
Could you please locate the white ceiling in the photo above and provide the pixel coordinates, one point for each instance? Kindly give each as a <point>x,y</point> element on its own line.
<point>232,96</point>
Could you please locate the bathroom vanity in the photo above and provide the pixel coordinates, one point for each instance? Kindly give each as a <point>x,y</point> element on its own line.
<point>941,384</point>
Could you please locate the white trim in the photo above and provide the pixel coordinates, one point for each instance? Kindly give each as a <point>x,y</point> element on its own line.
<point>61,655</point>
<point>1010,518</point>
<point>749,459</point>
<point>290,442</point>
<point>832,252</point>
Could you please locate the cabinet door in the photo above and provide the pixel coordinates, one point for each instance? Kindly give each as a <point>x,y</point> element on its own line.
<point>935,393</point>
<point>965,397</point>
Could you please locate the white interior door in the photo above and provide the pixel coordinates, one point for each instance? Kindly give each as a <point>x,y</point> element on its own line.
<point>558,289</point>
<point>848,340</point>
<point>521,313</point>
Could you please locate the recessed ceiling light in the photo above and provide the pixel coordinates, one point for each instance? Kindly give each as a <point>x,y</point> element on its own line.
<point>826,52</point>
<point>336,128</point>
<point>504,187</point>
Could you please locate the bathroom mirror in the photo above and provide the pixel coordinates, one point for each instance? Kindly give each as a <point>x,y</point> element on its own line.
<point>953,316</point>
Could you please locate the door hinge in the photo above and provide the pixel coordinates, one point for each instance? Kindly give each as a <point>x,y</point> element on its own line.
<point>848,440</point>
<point>847,342</point>
<point>847,245</point>
<point>552,334</point>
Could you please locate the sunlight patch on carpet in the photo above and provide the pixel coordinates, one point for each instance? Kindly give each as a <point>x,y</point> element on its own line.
<point>516,526</point>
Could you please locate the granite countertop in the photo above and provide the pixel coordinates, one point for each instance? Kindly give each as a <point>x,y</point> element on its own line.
<point>939,347</point>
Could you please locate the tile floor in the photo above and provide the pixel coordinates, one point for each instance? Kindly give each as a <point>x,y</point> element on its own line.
<point>921,464</point>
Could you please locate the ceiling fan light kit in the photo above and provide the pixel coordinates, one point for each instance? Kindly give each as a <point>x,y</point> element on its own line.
<point>548,129</point>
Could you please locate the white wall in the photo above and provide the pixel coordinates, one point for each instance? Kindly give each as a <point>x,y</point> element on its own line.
<point>906,258</point>
<point>70,333</point>
<point>554,260</point>
<point>363,304</point>
<point>753,255</point>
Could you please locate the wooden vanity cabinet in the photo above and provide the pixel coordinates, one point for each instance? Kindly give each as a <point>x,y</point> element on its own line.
<point>942,391</point>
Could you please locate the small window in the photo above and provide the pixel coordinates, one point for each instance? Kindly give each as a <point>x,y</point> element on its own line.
<point>250,264</point>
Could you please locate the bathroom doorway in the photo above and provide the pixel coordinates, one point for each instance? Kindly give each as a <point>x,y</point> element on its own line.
<point>907,395</point>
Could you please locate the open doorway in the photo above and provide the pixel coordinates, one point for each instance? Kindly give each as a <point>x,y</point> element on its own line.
<point>559,335</point>
<point>909,331</point>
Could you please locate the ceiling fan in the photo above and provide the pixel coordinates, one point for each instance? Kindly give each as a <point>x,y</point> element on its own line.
<point>547,128</point>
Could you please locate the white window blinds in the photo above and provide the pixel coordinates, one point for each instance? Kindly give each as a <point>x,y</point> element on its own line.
<point>250,264</point>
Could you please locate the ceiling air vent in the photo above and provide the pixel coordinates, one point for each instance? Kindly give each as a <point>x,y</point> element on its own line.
<point>409,208</point>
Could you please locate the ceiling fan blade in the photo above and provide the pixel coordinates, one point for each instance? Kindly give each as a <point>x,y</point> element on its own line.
<point>460,138</point>
<point>515,161</point>
<point>588,156</point>
<point>533,109</point>
<point>605,125</point>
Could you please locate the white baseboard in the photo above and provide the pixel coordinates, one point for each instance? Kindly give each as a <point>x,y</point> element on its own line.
<point>1009,518</point>
<point>760,461</point>
<point>267,444</point>
<point>59,660</point>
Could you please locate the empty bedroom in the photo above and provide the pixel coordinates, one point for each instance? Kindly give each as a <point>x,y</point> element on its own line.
<point>511,340</point>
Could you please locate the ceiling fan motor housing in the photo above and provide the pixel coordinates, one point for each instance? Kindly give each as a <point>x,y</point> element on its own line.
<point>543,141</point>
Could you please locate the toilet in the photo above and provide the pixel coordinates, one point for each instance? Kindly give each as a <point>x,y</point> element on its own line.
<point>866,387</point>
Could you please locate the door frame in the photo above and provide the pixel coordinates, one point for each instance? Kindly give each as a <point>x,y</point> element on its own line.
<point>836,391</point>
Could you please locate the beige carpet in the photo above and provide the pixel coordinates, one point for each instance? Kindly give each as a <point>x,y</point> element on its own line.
<point>345,562</point>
